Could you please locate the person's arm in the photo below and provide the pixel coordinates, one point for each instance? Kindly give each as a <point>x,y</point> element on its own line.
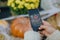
<point>54,36</point>
<point>32,35</point>
<point>49,31</point>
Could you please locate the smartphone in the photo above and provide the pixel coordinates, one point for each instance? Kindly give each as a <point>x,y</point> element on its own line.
<point>35,19</point>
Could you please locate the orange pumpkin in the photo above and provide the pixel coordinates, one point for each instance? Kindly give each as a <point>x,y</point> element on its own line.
<point>19,26</point>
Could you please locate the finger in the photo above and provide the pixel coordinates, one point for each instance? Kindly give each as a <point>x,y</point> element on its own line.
<point>42,27</point>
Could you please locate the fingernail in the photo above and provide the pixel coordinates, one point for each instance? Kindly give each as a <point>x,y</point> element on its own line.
<point>39,28</point>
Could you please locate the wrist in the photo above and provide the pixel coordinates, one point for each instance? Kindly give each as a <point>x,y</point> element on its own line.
<point>53,30</point>
<point>54,34</point>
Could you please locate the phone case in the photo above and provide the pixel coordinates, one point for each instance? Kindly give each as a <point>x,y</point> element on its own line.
<point>35,19</point>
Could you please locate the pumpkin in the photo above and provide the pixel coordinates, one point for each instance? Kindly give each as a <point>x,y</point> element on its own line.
<point>19,26</point>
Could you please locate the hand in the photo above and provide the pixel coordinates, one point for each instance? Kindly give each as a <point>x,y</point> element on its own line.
<point>48,28</point>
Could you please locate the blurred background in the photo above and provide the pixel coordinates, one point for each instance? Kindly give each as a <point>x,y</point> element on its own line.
<point>10,10</point>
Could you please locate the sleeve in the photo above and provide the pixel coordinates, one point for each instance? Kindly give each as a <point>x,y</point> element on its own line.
<point>54,36</point>
<point>32,35</point>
